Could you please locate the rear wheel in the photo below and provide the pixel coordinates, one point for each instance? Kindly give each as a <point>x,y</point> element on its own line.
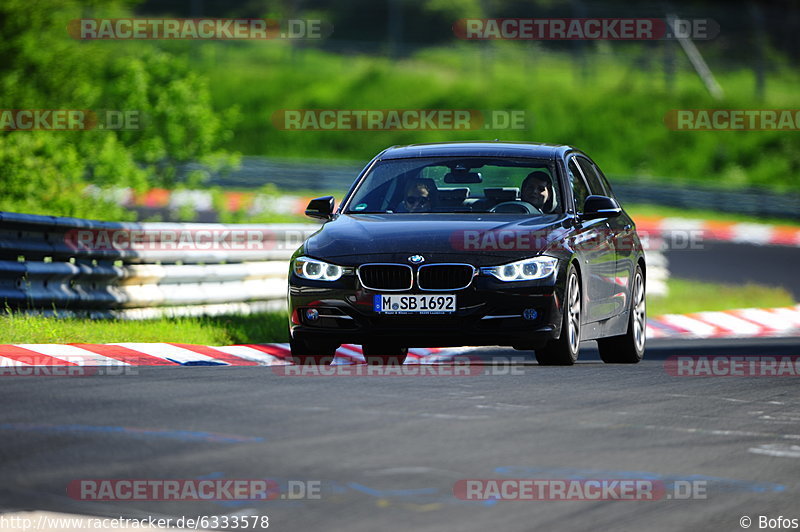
<point>310,352</point>
<point>628,348</point>
<point>383,354</point>
<point>564,350</point>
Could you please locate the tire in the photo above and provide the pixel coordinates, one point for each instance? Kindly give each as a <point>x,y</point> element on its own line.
<point>381,354</point>
<point>628,348</point>
<point>564,350</point>
<point>309,352</point>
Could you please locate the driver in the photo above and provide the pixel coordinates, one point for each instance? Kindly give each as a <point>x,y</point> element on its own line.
<point>536,190</point>
<point>418,197</point>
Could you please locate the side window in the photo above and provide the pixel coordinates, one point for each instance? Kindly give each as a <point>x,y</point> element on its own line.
<point>609,190</point>
<point>579,190</point>
<point>590,173</point>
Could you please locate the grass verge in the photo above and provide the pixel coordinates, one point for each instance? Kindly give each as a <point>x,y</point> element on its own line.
<point>695,296</point>
<point>224,330</point>
<point>616,113</point>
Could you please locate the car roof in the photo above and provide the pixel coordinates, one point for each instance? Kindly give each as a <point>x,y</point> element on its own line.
<point>476,149</point>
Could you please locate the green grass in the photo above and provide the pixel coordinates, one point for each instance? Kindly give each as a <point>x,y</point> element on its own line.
<point>694,296</point>
<point>615,113</point>
<point>258,328</point>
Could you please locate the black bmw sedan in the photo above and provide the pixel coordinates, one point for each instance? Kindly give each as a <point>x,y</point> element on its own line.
<point>471,244</point>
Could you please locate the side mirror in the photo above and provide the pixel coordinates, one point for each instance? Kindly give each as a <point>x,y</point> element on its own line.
<point>600,207</point>
<point>321,208</point>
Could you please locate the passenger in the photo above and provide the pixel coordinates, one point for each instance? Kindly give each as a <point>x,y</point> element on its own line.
<point>537,190</point>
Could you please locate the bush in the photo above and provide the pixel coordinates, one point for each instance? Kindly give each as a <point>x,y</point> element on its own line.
<point>42,67</point>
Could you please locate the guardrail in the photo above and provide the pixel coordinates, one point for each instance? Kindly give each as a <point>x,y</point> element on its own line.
<point>657,266</point>
<point>75,267</point>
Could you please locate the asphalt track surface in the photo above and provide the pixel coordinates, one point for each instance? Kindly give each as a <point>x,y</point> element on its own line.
<point>388,450</point>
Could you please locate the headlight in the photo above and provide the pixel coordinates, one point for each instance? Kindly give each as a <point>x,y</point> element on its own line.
<point>316,270</point>
<point>524,270</point>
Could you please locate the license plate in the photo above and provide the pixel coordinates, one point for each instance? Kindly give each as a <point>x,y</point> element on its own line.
<point>415,304</point>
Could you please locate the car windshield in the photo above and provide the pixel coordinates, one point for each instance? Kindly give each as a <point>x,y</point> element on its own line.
<point>526,187</point>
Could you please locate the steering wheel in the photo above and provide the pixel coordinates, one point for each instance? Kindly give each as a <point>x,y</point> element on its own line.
<point>522,207</point>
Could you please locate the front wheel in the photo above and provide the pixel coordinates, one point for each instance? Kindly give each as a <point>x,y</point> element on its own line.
<point>564,351</point>
<point>628,348</point>
<point>309,352</point>
<point>378,354</point>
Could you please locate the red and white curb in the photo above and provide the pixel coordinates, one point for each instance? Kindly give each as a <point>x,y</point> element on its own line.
<point>169,354</point>
<point>741,323</point>
<point>738,232</point>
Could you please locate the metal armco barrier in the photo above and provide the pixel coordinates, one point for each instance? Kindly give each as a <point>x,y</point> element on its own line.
<point>657,273</point>
<point>75,267</point>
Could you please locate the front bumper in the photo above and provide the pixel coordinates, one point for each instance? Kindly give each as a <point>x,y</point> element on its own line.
<point>489,312</point>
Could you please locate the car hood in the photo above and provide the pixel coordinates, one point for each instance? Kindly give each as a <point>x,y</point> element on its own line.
<point>480,239</point>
